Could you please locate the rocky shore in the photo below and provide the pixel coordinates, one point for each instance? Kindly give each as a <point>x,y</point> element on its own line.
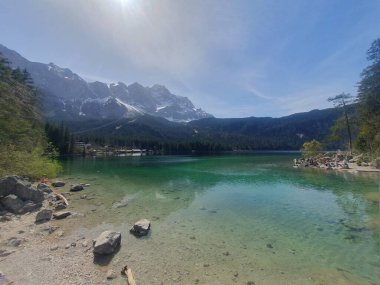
<point>37,247</point>
<point>338,161</point>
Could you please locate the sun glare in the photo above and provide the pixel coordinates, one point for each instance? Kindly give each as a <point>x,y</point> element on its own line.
<point>129,6</point>
<point>126,3</point>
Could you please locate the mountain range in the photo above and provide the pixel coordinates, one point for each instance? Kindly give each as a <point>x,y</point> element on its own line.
<point>151,117</point>
<point>68,96</point>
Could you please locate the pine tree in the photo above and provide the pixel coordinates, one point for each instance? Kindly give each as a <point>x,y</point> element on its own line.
<point>340,102</point>
<point>369,103</point>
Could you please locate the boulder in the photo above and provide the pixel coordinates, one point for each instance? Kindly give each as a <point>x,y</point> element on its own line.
<point>58,184</point>
<point>61,215</point>
<point>44,188</point>
<point>76,188</point>
<point>2,210</point>
<point>21,188</point>
<point>107,242</point>
<point>44,216</point>
<point>12,204</point>
<point>140,228</point>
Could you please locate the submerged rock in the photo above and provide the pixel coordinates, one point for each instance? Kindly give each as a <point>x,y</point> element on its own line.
<point>107,242</point>
<point>15,242</point>
<point>58,184</point>
<point>141,228</point>
<point>60,206</point>
<point>61,215</point>
<point>76,188</point>
<point>54,247</point>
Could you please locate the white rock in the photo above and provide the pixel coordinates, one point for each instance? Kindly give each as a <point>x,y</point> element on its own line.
<point>141,228</point>
<point>107,242</point>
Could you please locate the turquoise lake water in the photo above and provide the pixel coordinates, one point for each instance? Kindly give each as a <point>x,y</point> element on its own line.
<point>235,219</point>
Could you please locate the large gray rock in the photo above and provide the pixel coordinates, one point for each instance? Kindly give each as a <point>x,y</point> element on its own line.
<point>12,204</point>
<point>44,188</point>
<point>44,216</point>
<point>21,188</point>
<point>141,228</point>
<point>76,188</point>
<point>107,242</point>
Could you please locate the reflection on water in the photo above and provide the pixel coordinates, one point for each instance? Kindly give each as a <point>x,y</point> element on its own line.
<point>234,219</point>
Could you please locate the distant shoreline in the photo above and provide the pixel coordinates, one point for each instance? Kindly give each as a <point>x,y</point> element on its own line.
<point>336,161</point>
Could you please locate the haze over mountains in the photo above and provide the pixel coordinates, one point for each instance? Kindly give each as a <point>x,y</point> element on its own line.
<point>68,96</point>
<point>152,116</point>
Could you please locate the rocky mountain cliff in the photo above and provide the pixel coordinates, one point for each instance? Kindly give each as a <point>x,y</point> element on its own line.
<point>68,96</point>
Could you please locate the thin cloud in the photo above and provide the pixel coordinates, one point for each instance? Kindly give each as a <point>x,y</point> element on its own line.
<point>259,94</point>
<point>243,57</point>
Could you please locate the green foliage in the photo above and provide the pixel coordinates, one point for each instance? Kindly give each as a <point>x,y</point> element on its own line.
<point>311,148</point>
<point>23,145</point>
<point>369,103</point>
<point>33,164</point>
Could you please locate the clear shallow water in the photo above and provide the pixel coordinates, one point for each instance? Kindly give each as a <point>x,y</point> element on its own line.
<point>235,218</point>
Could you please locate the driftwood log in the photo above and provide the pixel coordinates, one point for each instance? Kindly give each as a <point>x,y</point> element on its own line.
<point>128,272</point>
<point>60,196</point>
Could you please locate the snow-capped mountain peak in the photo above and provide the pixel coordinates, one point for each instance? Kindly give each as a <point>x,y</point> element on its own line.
<point>67,95</point>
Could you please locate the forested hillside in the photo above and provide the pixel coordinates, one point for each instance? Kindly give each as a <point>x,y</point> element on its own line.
<point>286,133</point>
<point>23,146</point>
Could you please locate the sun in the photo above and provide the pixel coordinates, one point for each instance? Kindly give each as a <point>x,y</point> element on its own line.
<point>126,3</point>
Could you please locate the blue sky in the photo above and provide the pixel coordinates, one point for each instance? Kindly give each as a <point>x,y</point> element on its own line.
<point>234,58</point>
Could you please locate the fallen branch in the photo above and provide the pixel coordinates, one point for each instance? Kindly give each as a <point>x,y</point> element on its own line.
<point>128,272</point>
<point>60,196</point>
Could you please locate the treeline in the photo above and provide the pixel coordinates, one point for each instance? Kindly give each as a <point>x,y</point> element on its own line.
<point>157,146</point>
<point>60,137</point>
<point>24,148</point>
<point>207,135</point>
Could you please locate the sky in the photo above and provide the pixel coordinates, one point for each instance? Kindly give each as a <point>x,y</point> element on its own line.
<point>235,58</point>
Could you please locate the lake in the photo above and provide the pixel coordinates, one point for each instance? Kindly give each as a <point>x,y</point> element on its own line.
<point>234,219</point>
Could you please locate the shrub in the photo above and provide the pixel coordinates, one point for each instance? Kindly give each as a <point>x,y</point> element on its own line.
<point>33,164</point>
<point>311,148</point>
